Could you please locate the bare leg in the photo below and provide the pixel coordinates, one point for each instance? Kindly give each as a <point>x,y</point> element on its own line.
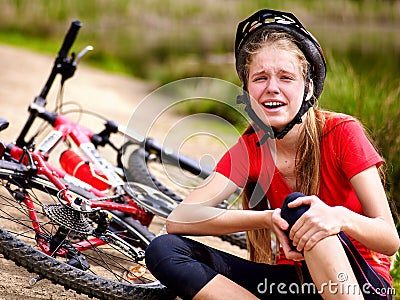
<point>331,270</point>
<point>222,288</point>
<point>328,266</point>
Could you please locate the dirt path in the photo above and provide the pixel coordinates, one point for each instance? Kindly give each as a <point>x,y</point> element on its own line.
<point>22,75</point>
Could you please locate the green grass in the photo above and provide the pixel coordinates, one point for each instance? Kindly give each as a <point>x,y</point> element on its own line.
<point>167,40</point>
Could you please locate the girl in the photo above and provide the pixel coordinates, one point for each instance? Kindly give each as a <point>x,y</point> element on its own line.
<point>336,232</point>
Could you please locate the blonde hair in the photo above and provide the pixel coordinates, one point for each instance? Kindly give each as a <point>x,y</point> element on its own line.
<point>307,167</point>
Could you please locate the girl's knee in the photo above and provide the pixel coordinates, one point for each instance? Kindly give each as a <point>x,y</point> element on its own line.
<point>291,215</point>
<point>158,246</point>
<point>163,246</point>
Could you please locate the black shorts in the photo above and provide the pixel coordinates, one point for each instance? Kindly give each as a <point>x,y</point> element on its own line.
<point>185,266</point>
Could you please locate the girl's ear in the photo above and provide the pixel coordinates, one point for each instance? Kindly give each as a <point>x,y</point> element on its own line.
<point>310,90</point>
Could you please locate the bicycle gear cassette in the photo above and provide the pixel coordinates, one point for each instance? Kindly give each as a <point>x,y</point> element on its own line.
<point>68,218</point>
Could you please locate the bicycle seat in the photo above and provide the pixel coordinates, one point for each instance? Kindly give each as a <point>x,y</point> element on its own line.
<point>3,124</point>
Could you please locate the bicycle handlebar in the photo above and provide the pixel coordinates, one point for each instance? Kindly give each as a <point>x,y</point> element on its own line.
<point>62,65</point>
<point>69,39</point>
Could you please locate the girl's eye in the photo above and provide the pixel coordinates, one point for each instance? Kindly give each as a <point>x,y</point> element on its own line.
<point>287,77</point>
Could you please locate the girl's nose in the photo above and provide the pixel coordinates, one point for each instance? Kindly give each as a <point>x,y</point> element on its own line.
<point>272,86</point>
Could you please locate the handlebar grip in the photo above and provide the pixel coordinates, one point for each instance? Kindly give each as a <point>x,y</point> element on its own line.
<point>69,38</point>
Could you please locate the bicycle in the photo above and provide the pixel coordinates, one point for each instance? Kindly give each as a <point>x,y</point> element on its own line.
<point>67,233</point>
<point>81,217</point>
<point>147,153</point>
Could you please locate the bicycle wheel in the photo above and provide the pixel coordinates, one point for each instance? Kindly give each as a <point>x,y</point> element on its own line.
<point>171,180</point>
<point>141,167</point>
<point>76,250</point>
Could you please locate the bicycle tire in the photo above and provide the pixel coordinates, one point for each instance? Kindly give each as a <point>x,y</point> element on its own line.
<point>18,242</point>
<point>138,170</point>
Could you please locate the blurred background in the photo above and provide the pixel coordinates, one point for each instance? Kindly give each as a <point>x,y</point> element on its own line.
<point>164,40</point>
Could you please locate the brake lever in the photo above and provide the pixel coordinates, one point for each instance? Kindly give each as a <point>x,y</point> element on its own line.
<point>81,54</point>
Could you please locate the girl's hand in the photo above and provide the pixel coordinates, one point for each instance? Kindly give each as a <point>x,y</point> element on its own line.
<point>279,226</point>
<point>319,222</point>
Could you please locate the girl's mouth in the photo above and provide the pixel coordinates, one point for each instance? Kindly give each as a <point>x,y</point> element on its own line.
<point>273,104</point>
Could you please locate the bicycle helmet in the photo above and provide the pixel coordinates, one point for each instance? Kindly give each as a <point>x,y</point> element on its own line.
<point>267,19</point>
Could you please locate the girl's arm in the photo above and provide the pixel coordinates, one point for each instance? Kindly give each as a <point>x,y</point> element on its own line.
<point>375,229</point>
<point>197,214</point>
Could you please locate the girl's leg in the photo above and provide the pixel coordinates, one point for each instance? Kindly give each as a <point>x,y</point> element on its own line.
<point>222,288</point>
<point>337,268</point>
<point>192,269</point>
<point>327,261</point>
<point>331,270</point>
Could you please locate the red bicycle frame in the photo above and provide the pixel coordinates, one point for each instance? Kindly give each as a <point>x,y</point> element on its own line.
<point>54,174</point>
<point>37,160</point>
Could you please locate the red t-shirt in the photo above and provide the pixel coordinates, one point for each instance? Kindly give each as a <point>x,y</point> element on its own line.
<point>345,152</point>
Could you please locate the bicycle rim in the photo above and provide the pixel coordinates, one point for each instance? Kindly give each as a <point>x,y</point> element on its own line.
<point>106,264</point>
<point>169,179</point>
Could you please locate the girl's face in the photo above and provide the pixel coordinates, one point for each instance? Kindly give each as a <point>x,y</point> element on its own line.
<point>276,86</point>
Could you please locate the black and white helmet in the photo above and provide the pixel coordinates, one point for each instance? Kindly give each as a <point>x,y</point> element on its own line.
<point>267,19</point>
